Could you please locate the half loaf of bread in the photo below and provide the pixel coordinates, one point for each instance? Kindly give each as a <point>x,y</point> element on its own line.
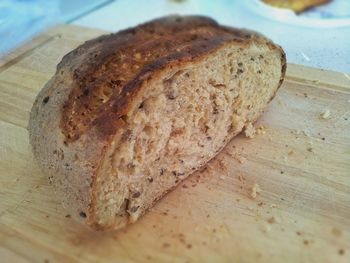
<point>128,116</point>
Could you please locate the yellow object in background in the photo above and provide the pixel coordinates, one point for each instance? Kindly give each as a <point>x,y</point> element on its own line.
<point>296,5</point>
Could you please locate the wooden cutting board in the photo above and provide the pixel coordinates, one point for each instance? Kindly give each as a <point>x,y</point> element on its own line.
<point>301,164</point>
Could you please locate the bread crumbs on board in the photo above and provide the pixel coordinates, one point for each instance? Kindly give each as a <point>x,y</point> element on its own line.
<point>255,190</point>
<point>250,131</point>
<point>274,220</point>
<point>325,114</point>
<point>237,156</point>
<point>260,130</point>
<point>240,158</point>
<point>222,165</point>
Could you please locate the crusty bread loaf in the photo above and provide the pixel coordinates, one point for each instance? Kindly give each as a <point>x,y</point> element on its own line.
<point>127,116</point>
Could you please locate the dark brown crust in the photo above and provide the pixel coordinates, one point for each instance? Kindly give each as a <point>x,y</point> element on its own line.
<point>108,71</point>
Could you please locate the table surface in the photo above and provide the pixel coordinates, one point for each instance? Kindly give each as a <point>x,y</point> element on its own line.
<point>315,47</point>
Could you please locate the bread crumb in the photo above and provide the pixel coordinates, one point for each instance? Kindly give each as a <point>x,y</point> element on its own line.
<point>336,231</point>
<point>260,130</point>
<point>239,158</point>
<point>222,165</point>
<point>273,206</point>
<point>255,190</point>
<point>306,133</point>
<point>273,220</point>
<point>222,177</point>
<point>326,114</point>
<point>296,131</point>
<point>266,228</point>
<point>249,131</point>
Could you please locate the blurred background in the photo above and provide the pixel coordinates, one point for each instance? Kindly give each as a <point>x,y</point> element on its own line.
<point>316,36</point>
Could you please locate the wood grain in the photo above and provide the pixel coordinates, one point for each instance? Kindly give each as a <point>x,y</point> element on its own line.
<point>301,163</point>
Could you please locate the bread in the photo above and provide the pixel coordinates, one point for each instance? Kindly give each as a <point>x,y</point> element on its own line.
<point>297,6</point>
<point>128,116</point>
